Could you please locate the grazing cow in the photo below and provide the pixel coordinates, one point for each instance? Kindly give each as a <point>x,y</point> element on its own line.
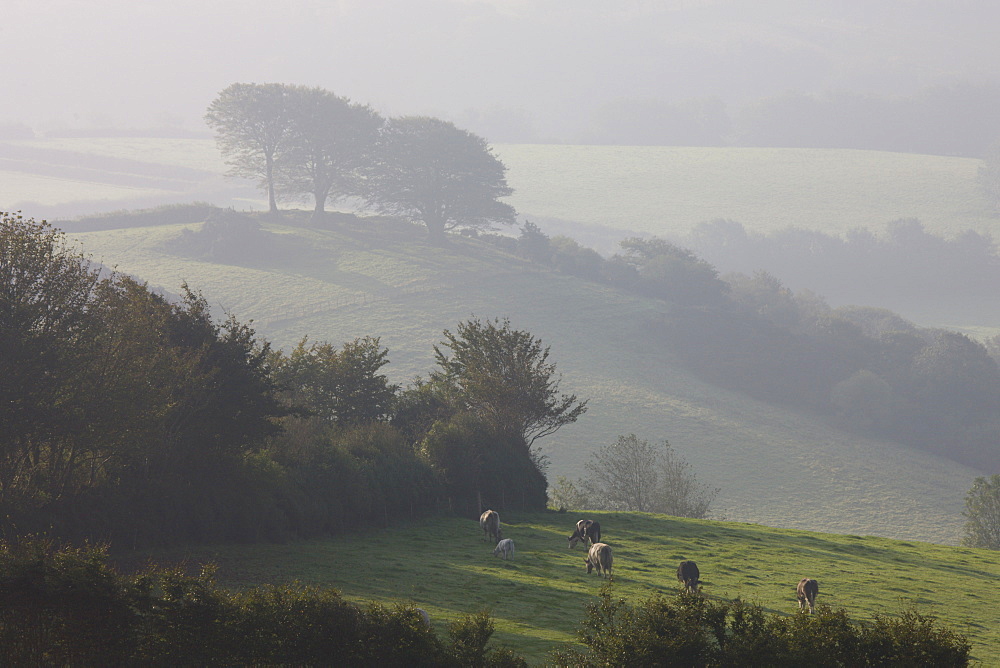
<point>600,558</point>
<point>592,532</point>
<point>585,530</point>
<point>490,524</point>
<point>806,593</point>
<point>688,574</point>
<point>504,548</point>
<point>424,617</point>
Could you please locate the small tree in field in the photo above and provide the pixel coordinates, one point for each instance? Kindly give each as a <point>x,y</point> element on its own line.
<point>982,512</point>
<point>252,124</point>
<point>633,474</point>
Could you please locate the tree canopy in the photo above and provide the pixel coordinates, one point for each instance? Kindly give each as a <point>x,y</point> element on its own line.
<point>982,513</point>
<point>252,124</point>
<point>440,175</point>
<point>503,375</point>
<point>330,143</point>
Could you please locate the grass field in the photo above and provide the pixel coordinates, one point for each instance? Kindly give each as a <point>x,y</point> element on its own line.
<point>594,193</point>
<point>666,191</point>
<point>538,598</point>
<point>773,466</point>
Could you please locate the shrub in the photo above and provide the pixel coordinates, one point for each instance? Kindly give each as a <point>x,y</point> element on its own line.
<point>689,630</point>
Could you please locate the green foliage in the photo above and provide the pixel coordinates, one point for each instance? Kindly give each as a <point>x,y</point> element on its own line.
<point>435,173</point>
<point>482,467</point>
<point>66,606</point>
<point>339,386</point>
<point>63,607</point>
<point>690,630</point>
<point>982,514</point>
<point>503,375</point>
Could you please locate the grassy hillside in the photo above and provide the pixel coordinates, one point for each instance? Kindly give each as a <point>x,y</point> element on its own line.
<point>538,598</point>
<point>773,466</point>
<point>605,189</point>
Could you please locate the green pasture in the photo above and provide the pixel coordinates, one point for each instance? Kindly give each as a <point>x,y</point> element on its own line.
<point>538,598</point>
<point>773,466</point>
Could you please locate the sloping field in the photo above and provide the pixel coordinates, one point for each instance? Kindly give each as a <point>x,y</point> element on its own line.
<point>538,598</point>
<point>773,466</point>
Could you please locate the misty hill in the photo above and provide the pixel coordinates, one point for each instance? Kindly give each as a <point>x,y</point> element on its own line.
<point>358,277</point>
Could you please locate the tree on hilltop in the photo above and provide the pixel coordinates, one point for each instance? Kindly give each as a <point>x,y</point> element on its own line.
<point>330,142</point>
<point>440,175</point>
<point>252,125</point>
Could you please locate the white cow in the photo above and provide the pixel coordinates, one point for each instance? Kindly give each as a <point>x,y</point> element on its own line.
<point>505,549</point>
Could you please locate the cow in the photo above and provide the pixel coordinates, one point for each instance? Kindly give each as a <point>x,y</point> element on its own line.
<point>806,593</point>
<point>688,574</point>
<point>585,530</point>
<point>600,558</point>
<point>424,617</point>
<point>504,548</point>
<point>490,524</point>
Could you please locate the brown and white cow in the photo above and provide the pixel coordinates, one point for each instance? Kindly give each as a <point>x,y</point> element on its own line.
<point>806,593</point>
<point>688,574</point>
<point>586,530</point>
<point>599,557</point>
<point>489,522</point>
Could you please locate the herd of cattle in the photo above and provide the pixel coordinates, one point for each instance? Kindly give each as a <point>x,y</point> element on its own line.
<point>599,556</point>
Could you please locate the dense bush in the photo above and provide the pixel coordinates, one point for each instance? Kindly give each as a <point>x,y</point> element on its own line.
<point>691,631</point>
<point>66,606</point>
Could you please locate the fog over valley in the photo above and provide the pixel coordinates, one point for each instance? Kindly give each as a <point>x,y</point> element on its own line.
<point>500,332</point>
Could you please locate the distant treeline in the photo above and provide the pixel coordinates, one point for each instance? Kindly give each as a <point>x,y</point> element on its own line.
<point>953,119</point>
<point>865,368</point>
<point>904,268</point>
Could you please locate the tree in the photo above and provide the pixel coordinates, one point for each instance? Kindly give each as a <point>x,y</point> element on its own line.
<point>672,273</point>
<point>339,386</point>
<point>982,513</point>
<point>330,141</point>
<point>252,124</point>
<point>45,288</point>
<point>633,474</point>
<point>503,375</point>
<point>435,173</point>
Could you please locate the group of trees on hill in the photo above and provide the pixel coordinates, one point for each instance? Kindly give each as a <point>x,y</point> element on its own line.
<point>134,418</point>
<point>865,368</point>
<point>301,142</point>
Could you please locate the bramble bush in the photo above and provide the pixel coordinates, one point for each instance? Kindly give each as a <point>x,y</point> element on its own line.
<point>692,631</point>
<point>67,606</point>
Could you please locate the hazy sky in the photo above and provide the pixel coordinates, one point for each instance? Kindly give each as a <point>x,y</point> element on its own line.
<point>543,64</point>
